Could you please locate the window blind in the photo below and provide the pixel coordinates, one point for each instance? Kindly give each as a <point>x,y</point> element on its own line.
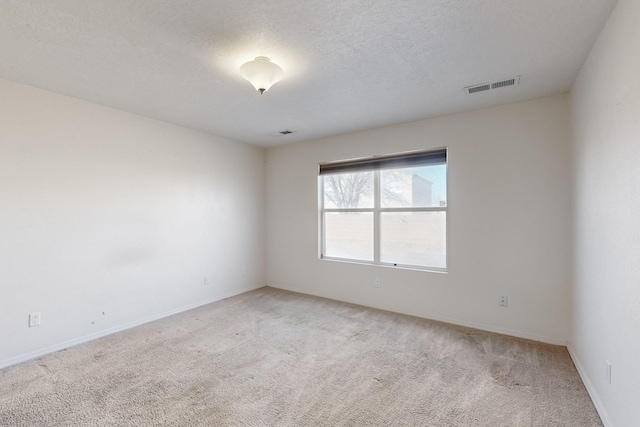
<point>403,160</point>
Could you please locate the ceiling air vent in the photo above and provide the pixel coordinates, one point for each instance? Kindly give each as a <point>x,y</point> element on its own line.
<point>479,88</point>
<point>495,85</point>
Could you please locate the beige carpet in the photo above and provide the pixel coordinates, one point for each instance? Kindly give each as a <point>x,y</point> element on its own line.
<point>276,358</point>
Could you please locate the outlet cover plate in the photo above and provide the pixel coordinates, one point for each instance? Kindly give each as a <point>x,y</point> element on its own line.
<point>34,319</point>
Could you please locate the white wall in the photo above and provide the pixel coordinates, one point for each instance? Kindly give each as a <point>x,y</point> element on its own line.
<point>605,106</point>
<point>508,221</point>
<point>108,219</point>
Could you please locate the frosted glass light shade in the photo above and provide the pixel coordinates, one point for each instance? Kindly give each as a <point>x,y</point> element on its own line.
<point>261,73</point>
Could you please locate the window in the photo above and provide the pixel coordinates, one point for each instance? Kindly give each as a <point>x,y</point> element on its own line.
<point>388,210</point>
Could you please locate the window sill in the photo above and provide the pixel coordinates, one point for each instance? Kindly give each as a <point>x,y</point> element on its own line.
<point>393,266</point>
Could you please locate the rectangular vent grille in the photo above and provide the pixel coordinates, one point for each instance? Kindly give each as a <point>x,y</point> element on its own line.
<point>503,83</point>
<point>480,88</point>
<point>495,85</point>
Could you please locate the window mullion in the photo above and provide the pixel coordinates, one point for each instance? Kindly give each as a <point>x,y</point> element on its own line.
<point>348,210</point>
<point>410,209</point>
<point>376,216</point>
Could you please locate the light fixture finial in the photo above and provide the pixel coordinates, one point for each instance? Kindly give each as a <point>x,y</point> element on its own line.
<point>261,73</point>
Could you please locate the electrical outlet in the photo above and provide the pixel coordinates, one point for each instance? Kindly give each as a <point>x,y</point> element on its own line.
<point>34,319</point>
<point>502,302</point>
<point>377,283</point>
<point>206,280</point>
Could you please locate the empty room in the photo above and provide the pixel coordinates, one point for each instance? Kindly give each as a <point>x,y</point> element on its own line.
<point>324,213</point>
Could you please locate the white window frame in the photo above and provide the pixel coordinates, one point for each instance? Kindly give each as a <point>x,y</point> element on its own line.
<point>377,211</point>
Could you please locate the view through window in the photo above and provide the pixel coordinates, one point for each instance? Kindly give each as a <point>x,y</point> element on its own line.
<point>386,210</point>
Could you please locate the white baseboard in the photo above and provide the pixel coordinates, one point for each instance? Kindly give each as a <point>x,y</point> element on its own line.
<point>86,338</point>
<point>595,397</point>
<point>474,325</point>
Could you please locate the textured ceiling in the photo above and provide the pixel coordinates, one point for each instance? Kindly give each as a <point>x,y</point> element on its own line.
<point>349,64</point>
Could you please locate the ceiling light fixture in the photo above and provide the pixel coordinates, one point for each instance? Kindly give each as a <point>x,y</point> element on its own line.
<point>261,73</point>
